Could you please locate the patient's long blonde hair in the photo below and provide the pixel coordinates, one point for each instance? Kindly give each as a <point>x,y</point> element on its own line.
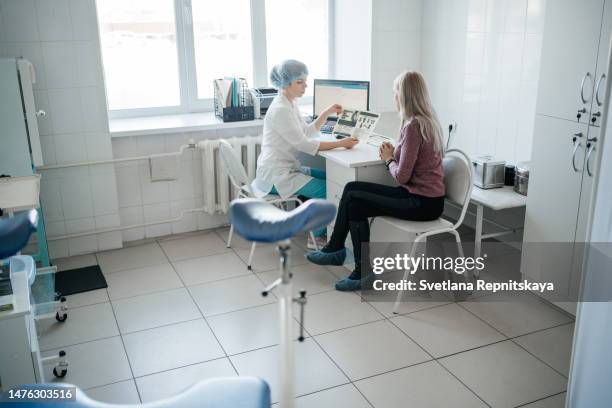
<point>413,102</point>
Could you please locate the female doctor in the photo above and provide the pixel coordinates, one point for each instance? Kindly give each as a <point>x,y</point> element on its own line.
<point>285,133</point>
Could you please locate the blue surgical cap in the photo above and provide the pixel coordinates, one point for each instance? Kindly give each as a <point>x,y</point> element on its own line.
<point>283,74</point>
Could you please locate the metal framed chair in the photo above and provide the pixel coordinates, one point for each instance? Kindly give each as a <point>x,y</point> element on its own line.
<point>241,182</point>
<point>458,185</point>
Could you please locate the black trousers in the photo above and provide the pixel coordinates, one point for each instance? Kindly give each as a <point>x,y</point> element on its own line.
<point>361,200</point>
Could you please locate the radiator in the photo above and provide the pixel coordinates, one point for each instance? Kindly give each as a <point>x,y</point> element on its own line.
<point>217,189</point>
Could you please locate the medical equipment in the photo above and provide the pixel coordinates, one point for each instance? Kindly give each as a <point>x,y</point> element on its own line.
<point>259,221</point>
<point>262,98</point>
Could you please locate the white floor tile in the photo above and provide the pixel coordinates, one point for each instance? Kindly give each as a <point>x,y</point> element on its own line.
<point>168,383</point>
<point>237,241</point>
<point>172,346</point>
<point>123,392</point>
<point>504,375</point>
<point>155,310</point>
<point>557,401</point>
<point>371,349</point>
<point>91,297</point>
<point>210,268</point>
<point>314,370</point>
<point>74,262</point>
<point>248,329</point>
<point>194,246</point>
<point>386,307</point>
<point>515,315</point>
<point>425,385</point>
<point>336,310</point>
<point>447,330</point>
<point>310,277</point>
<point>553,346</point>
<point>140,281</point>
<point>266,257</point>
<point>131,258</point>
<point>345,396</point>
<point>83,324</point>
<point>230,295</point>
<point>93,364</point>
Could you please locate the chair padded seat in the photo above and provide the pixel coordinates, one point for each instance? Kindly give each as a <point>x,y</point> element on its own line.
<point>15,232</point>
<point>417,226</point>
<point>231,392</point>
<point>259,221</point>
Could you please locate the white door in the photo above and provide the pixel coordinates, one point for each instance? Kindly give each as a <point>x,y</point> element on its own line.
<point>569,55</point>
<point>553,201</point>
<point>602,65</point>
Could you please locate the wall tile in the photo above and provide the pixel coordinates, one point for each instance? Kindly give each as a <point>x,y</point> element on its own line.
<point>98,146</point>
<point>157,212</point>
<point>152,192</point>
<point>108,240</point>
<point>128,186</point>
<point>386,15</point>
<point>125,147</point>
<point>55,228</point>
<point>51,199</point>
<point>77,202</point>
<point>19,20</point>
<point>516,16</point>
<point>512,56</point>
<point>47,144</point>
<point>58,249</point>
<point>477,15</point>
<point>182,188</point>
<point>104,191</point>
<point>189,221</point>
<point>474,53</point>
<point>84,24</point>
<point>531,57</point>
<point>89,64</point>
<point>53,17</point>
<point>65,107</point>
<point>60,64</point>
<point>70,148</point>
<point>132,216</point>
<point>536,10</point>
<point>94,110</point>
<point>411,12</point>
<point>84,244</point>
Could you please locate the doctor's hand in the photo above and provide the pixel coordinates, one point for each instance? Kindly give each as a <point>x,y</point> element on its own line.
<point>385,151</point>
<point>331,109</point>
<point>348,142</point>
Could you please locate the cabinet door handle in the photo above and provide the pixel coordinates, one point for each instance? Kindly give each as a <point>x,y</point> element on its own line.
<point>588,159</point>
<point>576,146</point>
<point>601,79</point>
<point>587,75</point>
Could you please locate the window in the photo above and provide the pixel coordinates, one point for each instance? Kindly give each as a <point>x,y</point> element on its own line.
<point>161,56</point>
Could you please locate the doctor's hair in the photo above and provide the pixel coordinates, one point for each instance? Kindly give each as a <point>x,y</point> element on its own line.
<point>283,74</point>
<point>414,102</point>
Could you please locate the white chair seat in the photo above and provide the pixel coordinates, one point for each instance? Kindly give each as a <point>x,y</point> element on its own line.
<point>417,227</point>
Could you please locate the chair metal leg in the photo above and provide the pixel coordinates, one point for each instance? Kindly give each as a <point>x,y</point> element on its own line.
<point>313,240</point>
<point>229,238</point>
<point>249,263</point>
<point>400,293</point>
<point>460,250</point>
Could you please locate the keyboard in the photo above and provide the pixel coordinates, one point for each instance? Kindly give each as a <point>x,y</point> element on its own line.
<point>326,128</point>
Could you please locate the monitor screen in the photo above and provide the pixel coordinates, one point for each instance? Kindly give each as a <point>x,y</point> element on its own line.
<point>354,95</point>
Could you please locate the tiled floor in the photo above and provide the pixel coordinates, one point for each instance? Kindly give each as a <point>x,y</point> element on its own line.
<point>184,308</point>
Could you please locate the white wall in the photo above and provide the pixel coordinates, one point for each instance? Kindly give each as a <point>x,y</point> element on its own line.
<point>481,60</point>
<point>60,38</point>
<point>352,47</point>
<point>396,46</point>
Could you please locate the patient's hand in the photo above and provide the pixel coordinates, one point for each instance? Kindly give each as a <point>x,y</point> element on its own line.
<point>385,151</point>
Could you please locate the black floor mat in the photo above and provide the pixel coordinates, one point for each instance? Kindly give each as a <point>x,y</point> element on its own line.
<point>79,280</point>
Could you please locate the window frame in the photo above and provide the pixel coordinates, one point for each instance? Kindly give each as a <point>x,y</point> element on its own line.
<point>189,101</point>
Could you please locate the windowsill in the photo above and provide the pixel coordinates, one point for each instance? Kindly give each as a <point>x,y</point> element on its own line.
<point>185,122</point>
<point>162,124</point>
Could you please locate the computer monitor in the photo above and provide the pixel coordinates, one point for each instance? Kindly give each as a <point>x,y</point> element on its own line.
<point>353,95</point>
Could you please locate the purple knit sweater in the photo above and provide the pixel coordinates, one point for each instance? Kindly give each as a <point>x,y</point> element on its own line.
<point>418,167</point>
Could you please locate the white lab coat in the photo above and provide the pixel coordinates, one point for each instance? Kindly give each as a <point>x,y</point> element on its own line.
<point>285,132</point>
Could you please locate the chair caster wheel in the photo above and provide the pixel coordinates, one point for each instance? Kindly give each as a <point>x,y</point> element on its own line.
<point>61,318</point>
<point>61,373</point>
<point>249,267</point>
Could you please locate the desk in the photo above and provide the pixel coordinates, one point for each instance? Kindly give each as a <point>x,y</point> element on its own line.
<point>361,163</point>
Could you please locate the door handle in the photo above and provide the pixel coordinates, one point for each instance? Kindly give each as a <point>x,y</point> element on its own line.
<point>601,79</point>
<point>591,147</point>
<point>587,75</point>
<point>576,146</point>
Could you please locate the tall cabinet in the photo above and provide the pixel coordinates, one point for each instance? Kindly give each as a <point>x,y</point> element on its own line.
<point>569,110</point>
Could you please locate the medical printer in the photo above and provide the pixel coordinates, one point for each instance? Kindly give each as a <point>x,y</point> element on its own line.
<point>262,98</point>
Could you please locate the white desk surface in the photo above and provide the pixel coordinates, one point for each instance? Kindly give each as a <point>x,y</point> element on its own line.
<point>498,198</point>
<point>361,155</point>
<point>366,155</point>
<point>19,193</point>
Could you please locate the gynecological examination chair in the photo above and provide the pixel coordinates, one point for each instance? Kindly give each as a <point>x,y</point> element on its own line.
<point>256,221</point>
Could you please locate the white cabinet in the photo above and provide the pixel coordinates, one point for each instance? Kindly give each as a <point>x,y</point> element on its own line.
<point>569,58</point>
<point>574,53</point>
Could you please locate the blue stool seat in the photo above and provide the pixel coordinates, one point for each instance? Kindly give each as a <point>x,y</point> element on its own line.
<point>259,221</point>
<point>231,392</point>
<point>15,232</point>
